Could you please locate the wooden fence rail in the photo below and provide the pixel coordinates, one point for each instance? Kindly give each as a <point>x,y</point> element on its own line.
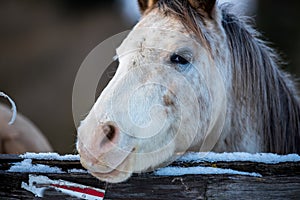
<point>278,181</point>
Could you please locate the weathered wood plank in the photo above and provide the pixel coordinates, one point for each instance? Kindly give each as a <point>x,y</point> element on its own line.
<point>279,181</point>
<point>207,187</point>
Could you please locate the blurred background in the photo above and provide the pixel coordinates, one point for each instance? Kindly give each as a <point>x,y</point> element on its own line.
<point>43,43</point>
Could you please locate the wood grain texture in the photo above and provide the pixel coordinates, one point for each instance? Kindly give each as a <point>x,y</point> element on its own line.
<point>278,181</point>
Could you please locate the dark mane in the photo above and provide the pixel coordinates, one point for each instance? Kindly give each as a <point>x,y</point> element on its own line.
<point>259,86</point>
<point>271,95</point>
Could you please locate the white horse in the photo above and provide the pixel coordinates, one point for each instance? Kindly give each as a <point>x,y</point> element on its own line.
<point>192,77</point>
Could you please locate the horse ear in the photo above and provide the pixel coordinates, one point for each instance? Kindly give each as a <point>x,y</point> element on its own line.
<point>205,5</point>
<point>145,4</point>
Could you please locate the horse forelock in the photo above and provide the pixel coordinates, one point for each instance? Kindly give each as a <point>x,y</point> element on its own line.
<point>188,16</point>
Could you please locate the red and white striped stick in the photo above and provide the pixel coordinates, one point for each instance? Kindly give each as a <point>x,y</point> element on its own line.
<point>38,184</point>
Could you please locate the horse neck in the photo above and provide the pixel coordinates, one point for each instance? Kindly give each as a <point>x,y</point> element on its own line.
<point>264,98</point>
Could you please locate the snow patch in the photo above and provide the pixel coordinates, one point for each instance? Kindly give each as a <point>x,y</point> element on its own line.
<point>33,180</point>
<point>50,156</point>
<point>26,166</point>
<point>267,158</point>
<point>199,157</point>
<point>77,171</point>
<point>179,171</point>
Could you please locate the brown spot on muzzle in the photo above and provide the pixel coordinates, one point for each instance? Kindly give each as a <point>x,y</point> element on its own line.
<point>168,101</point>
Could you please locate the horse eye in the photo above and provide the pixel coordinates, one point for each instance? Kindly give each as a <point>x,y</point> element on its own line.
<point>177,59</point>
<point>181,63</point>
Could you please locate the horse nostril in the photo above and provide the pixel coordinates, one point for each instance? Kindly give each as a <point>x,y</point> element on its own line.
<point>109,131</point>
<point>107,135</point>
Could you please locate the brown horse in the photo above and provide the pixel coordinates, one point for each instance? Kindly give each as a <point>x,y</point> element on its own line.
<point>19,135</point>
<point>192,77</point>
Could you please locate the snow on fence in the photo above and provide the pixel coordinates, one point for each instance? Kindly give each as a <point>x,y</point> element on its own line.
<point>194,176</point>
